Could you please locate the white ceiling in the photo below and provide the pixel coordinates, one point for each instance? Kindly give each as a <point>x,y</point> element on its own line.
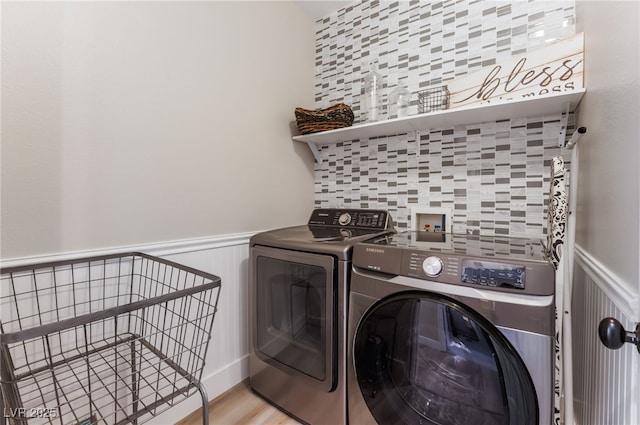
<point>319,9</point>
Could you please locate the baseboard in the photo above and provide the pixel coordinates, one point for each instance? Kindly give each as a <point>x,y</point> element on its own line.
<point>620,292</point>
<point>225,378</point>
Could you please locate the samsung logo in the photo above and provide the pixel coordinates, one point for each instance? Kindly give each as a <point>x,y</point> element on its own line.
<point>375,250</point>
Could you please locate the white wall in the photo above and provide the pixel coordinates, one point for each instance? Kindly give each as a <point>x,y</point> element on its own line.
<point>608,201</point>
<point>607,279</point>
<point>126,123</point>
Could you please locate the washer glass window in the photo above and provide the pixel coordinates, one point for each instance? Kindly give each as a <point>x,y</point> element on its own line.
<point>425,358</point>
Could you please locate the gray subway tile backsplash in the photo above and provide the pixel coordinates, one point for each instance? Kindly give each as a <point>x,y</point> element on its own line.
<point>495,175</point>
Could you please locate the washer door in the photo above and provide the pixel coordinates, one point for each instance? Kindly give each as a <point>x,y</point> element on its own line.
<point>422,358</point>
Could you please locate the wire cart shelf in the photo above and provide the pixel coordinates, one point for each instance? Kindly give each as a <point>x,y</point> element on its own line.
<point>114,339</point>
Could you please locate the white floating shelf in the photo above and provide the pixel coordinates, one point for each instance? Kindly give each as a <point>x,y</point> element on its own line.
<point>473,114</point>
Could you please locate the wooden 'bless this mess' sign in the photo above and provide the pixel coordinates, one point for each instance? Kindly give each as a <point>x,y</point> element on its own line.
<point>554,68</point>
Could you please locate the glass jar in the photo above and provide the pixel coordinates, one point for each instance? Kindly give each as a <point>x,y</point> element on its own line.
<point>399,99</point>
<point>372,104</point>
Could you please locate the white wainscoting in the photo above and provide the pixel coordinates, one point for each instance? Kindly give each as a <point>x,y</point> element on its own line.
<point>606,382</point>
<point>227,256</point>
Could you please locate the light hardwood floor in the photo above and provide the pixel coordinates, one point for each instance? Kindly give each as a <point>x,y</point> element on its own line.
<point>240,406</point>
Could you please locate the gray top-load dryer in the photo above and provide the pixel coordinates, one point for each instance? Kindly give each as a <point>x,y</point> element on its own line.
<point>299,281</point>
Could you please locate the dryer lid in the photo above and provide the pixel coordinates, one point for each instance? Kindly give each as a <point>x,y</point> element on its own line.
<point>329,231</point>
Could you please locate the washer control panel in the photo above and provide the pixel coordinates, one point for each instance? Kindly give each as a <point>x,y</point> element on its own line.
<point>491,273</point>
<point>452,269</point>
<point>367,219</point>
<point>490,263</point>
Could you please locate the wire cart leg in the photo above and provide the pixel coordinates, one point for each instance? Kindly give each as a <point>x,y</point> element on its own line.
<point>134,382</point>
<point>205,404</point>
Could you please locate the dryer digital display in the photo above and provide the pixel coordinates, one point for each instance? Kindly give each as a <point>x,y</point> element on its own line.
<point>493,274</point>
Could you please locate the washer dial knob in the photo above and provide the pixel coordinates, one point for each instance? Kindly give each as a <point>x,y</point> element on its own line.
<point>344,219</point>
<point>432,266</point>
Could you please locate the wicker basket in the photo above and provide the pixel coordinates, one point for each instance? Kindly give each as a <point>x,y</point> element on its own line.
<point>313,121</point>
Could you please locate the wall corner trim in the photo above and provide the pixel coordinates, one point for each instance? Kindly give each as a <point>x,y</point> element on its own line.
<point>618,291</point>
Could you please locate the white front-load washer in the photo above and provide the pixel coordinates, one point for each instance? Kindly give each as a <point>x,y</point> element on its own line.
<point>451,329</point>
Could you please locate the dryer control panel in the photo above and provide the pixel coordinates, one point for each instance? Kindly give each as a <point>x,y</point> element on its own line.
<point>363,219</point>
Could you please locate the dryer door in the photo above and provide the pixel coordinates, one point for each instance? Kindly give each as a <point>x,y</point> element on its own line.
<point>426,358</point>
<point>294,313</point>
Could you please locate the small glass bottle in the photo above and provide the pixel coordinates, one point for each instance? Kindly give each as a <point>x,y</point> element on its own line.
<point>399,101</point>
<point>372,102</point>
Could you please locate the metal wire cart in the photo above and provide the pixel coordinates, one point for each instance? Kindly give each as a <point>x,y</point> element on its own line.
<point>115,339</point>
